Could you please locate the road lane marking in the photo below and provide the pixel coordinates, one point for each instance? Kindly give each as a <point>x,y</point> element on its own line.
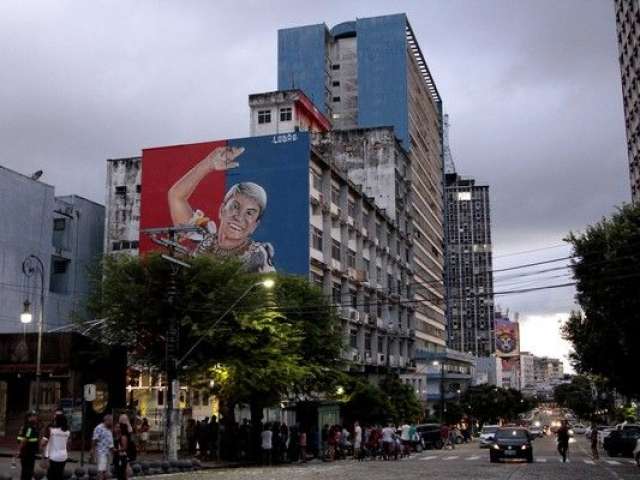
<point>612,462</point>
<point>453,457</point>
<point>475,457</point>
<point>589,462</point>
<point>541,460</point>
<point>428,458</point>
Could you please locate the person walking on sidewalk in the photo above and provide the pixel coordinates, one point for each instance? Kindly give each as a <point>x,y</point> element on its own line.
<point>563,440</point>
<point>102,444</point>
<point>55,447</point>
<point>267,444</point>
<point>593,436</point>
<point>28,446</point>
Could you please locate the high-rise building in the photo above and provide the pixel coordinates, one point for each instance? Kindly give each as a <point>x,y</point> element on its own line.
<point>628,27</point>
<point>469,275</point>
<point>369,73</point>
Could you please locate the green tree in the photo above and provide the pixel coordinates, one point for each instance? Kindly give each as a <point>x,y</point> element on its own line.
<point>405,405</point>
<point>576,396</point>
<point>273,344</point>
<point>489,404</point>
<point>606,267</point>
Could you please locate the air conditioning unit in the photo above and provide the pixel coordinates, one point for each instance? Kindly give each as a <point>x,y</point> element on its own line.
<point>354,315</point>
<point>386,250</point>
<point>344,313</point>
<point>362,276</point>
<point>367,357</point>
<point>356,356</point>
<point>366,318</point>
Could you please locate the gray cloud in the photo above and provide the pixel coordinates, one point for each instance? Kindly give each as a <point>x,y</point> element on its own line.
<point>532,87</point>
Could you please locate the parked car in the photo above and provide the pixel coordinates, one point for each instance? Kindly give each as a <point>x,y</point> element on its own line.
<point>579,429</point>
<point>430,435</point>
<point>511,442</point>
<point>622,441</point>
<point>603,432</point>
<point>535,432</point>
<point>486,435</point>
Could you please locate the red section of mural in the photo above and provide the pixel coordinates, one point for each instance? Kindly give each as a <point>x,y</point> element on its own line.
<point>161,168</point>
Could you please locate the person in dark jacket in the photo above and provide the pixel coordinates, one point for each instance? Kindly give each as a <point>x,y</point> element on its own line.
<point>28,445</point>
<point>563,440</point>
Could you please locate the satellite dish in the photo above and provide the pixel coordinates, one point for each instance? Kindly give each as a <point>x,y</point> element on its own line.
<point>37,175</point>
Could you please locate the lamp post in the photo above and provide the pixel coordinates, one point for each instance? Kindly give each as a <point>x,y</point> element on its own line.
<point>435,363</point>
<point>30,266</point>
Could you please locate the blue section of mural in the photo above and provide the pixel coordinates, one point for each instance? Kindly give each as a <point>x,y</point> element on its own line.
<point>382,74</point>
<point>301,62</point>
<point>280,165</point>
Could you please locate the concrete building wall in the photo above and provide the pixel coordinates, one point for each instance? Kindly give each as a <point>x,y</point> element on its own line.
<point>66,233</point>
<point>122,219</point>
<point>628,30</point>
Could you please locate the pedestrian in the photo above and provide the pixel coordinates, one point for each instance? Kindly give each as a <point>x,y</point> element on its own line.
<point>405,439</point>
<point>357,440</point>
<point>266,444</point>
<point>302,441</point>
<point>55,447</point>
<point>102,445</point>
<point>324,437</point>
<point>452,436</point>
<point>387,440</point>
<point>121,443</point>
<point>444,435</point>
<point>212,433</point>
<point>563,440</point>
<point>28,446</point>
<point>144,435</point>
<point>202,432</point>
<point>593,436</point>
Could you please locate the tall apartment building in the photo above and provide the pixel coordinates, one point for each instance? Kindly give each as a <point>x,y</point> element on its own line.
<point>469,267</point>
<point>371,73</point>
<point>547,370</point>
<point>628,28</point>
<point>359,252</point>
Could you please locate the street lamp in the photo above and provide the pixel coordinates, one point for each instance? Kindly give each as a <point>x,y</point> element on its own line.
<point>30,266</point>
<point>25,316</point>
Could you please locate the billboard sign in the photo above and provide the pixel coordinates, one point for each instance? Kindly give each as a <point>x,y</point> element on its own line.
<point>245,198</point>
<point>507,337</point>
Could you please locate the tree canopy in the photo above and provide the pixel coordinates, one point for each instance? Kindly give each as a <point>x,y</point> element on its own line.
<point>274,343</point>
<point>489,404</point>
<point>577,396</point>
<point>605,332</point>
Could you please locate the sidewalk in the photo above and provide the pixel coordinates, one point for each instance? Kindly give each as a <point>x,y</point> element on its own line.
<point>6,456</point>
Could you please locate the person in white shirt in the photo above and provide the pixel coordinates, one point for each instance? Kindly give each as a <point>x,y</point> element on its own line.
<point>387,440</point>
<point>267,446</point>
<point>55,447</point>
<point>405,438</point>
<point>357,440</point>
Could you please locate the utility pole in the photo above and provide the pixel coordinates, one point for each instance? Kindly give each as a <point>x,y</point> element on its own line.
<point>167,238</point>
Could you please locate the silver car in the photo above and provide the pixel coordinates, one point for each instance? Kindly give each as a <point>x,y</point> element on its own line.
<point>487,435</point>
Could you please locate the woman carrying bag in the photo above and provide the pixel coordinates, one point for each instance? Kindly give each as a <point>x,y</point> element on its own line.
<point>55,447</point>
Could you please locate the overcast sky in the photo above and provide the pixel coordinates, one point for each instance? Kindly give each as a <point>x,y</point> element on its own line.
<point>532,88</point>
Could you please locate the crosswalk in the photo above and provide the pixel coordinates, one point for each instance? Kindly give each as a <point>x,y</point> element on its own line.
<point>479,458</point>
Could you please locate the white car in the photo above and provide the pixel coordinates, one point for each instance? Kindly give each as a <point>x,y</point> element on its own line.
<point>579,429</point>
<point>486,435</point>
<point>604,433</point>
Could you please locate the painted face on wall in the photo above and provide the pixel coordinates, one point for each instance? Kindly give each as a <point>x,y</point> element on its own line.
<point>239,217</point>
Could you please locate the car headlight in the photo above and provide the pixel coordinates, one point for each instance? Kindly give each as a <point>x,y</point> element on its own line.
<point>537,424</point>
<point>496,446</point>
<point>570,432</point>
<point>524,447</point>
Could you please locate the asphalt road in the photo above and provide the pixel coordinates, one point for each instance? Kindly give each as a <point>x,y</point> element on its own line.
<point>467,462</point>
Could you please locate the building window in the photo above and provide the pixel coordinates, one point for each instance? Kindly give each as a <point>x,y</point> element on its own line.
<point>335,99</point>
<point>138,188</point>
<point>335,66</point>
<point>354,297</point>
<point>264,116</point>
<point>335,249</point>
<point>351,208</point>
<point>59,224</point>
<point>351,258</point>
<point>316,238</point>
<point>336,293</point>
<point>134,244</point>
<point>367,342</point>
<point>353,337</point>
<point>464,196</point>
<point>115,246</point>
<point>380,344</point>
<point>285,114</point>
<point>316,180</point>
<point>121,190</point>
<point>160,398</point>
<point>335,83</point>
<point>317,279</point>
<point>335,194</point>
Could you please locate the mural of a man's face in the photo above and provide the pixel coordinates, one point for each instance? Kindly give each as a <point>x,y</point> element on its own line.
<point>239,217</point>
